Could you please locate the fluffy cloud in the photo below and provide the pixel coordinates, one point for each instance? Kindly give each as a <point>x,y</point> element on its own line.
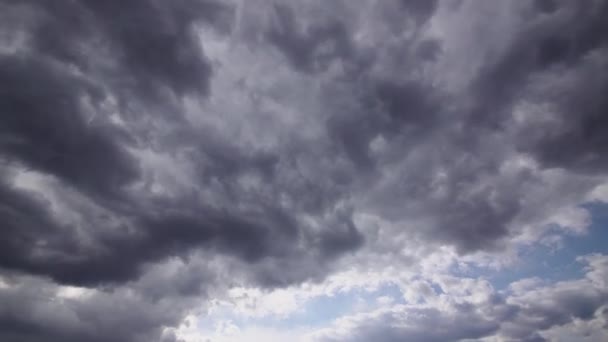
<point>459,308</point>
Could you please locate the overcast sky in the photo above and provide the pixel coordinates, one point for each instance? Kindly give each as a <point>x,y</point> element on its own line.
<point>305,171</point>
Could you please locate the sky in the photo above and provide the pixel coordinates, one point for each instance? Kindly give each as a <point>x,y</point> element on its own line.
<point>305,171</point>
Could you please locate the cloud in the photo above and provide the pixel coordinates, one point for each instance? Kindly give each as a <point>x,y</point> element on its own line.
<point>158,152</point>
<point>47,130</point>
<point>153,42</point>
<point>465,308</point>
<point>35,310</point>
<point>65,120</point>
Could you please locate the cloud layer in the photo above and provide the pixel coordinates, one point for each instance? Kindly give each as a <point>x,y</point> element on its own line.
<point>157,154</point>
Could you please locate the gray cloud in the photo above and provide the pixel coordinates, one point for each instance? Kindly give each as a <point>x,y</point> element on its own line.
<point>57,125</point>
<point>255,133</point>
<point>313,49</point>
<point>557,43</point>
<point>34,310</point>
<point>153,41</point>
<point>46,130</point>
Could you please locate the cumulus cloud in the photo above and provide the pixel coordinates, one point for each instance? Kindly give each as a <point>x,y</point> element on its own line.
<point>155,154</point>
<point>471,309</point>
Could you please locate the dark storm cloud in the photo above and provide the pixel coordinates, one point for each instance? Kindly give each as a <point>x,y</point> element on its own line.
<point>568,40</point>
<point>419,9</point>
<point>58,123</point>
<point>75,52</point>
<point>36,243</point>
<point>399,112</point>
<point>410,116</point>
<point>25,220</point>
<point>452,146</point>
<point>153,41</point>
<point>30,311</point>
<point>81,64</point>
<point>578,141</point>
<point>564,40</point>
<point>46,128</point>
